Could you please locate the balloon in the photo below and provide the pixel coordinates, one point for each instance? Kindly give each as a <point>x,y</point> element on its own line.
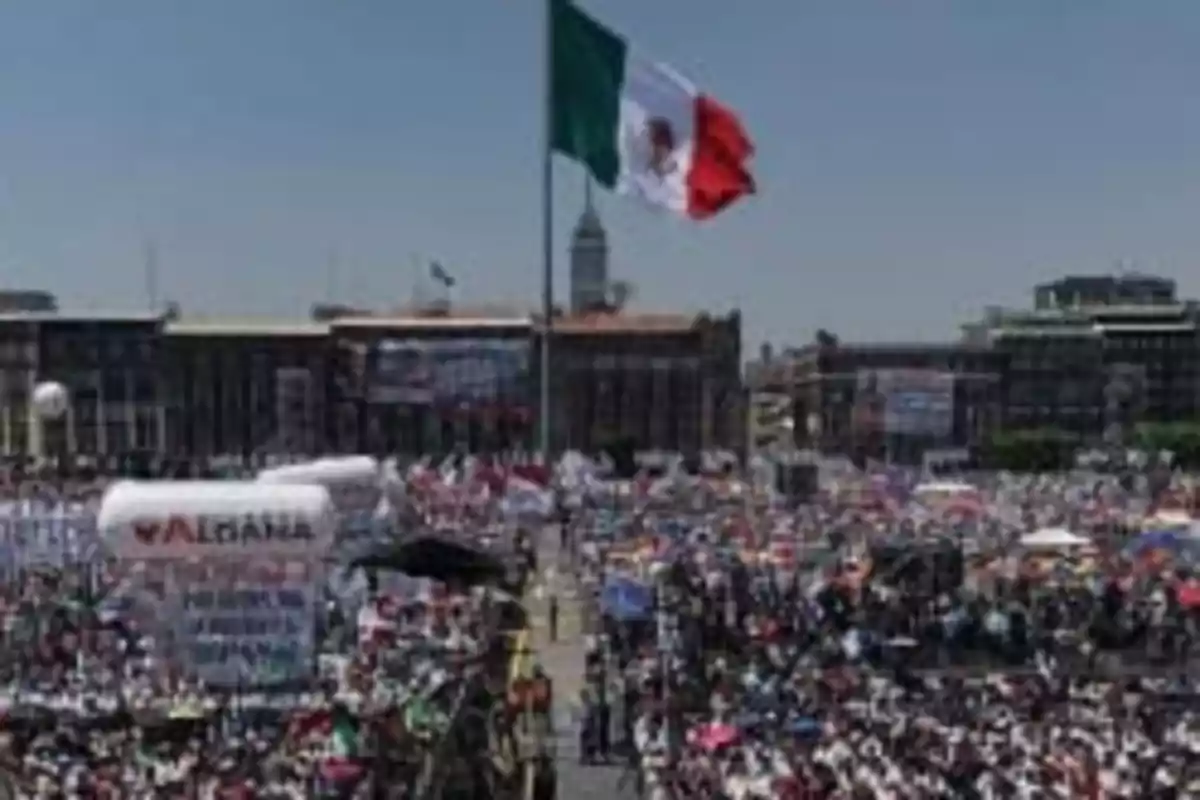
<point>50,400</point>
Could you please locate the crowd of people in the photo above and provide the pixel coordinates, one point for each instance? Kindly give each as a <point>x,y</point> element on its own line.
<point>1000,636</point>
<point>996,636</point>
<point>94,703</point>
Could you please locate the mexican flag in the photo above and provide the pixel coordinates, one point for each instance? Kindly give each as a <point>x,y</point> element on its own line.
<point>638,126</point>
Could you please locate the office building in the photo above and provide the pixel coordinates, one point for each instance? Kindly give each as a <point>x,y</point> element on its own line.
<point>409,382</point>
<point>1093,355</point>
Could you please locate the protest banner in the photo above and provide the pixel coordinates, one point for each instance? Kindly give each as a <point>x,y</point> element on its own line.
<point>244,623</point>
<point>243,572</point>
<point>46,538</point>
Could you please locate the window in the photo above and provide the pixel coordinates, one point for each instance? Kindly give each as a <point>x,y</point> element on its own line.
<point>54,349</point>
<point>293,407</point>
<point>85,437</point>
<point>84,410</point>
<point>116,434</point>
<point>85,388</point>
<point>113,386</point>
<point>19,421</point>
<point>117,350</point>
<point>146,429</point>
<point>145,386</point>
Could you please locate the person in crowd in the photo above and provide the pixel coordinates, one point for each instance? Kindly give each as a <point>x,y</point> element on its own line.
<point>1001,636</point>
<point>95,704</point>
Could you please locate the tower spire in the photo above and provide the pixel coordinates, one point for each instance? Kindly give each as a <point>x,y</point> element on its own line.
<point>589,256</point>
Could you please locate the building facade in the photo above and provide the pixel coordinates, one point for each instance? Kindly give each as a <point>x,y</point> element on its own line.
<point>665,382</point>
<point>433,384</point>
<point>1093,356</point>
<point>246,388</point>
<point>1096,371</point>
<point>110,366</point>
<point>410,384</point>
<point>893,401</point>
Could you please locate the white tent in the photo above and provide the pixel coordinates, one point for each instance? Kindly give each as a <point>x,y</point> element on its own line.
<point>1171,519</point>
<point>1053,539</point>
<point>943,488</point>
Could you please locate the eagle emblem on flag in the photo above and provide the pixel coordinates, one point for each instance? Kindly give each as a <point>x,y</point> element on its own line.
<point>662,141</point>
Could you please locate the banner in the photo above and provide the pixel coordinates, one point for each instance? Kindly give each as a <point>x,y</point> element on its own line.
<point>249,623</point>
<point>59,540</point>
<point>178,536</point>
<point>905,402</point>
<point>450,372</point>
<point>46,539</point>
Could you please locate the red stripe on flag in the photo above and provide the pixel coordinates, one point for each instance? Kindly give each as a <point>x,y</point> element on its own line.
<point>721,148</point>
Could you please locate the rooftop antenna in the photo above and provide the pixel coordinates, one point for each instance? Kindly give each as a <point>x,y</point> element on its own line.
<point>331,271</point>
<point>150,265</point>
<point>418,285</point>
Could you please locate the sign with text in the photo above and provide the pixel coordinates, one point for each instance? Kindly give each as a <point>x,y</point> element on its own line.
<point>46,539</point>
<point>905,402</point>
<point>454,372</point>
<point>176,535</point>
<point>245,623</point>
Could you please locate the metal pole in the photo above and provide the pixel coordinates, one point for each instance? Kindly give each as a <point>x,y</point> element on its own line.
<point>547,235</point>
<point>151,276</point>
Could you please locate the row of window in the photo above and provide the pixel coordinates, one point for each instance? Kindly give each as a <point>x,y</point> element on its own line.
<point>117,432</point>
<point>92,349</point>
<point>658,410</point>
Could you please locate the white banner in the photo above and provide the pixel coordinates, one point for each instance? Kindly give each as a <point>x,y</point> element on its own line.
<point>54,539</point>
<point>245,623</point>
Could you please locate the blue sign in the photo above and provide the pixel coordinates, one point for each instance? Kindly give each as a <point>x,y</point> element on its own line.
<point>452,372</point>
<point>907,402</point>
<point>238,625</point>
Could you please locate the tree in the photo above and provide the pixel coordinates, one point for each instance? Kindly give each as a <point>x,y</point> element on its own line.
<point>1181,439</point>
<point>1038,450</point>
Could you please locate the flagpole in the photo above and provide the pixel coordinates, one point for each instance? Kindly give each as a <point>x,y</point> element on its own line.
<point>547,235</point>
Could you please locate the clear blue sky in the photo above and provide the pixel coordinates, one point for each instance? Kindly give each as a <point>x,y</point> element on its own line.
<point>916,159</point>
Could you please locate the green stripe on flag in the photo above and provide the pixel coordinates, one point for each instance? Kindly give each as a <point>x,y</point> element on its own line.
<point>587,75</point>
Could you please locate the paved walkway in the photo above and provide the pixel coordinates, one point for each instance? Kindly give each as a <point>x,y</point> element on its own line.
<point>563,662</point>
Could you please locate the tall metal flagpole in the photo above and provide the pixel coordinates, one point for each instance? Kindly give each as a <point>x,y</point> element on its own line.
<point>547,234</point>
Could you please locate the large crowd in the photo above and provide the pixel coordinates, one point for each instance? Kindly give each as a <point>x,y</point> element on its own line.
<point>994,636</point>
<point>94,703</point>
<point>998,636</point>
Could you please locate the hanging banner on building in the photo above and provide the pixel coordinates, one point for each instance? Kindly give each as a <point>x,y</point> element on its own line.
<point>905,402</point>
<point>451,372</point>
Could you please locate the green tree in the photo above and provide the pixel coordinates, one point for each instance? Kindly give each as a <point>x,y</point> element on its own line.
<point>1037,450</point>
<point>1182,439</point>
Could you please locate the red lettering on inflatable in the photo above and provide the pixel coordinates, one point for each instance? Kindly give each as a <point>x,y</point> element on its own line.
<point>154,532</point>
<point>178,529</point>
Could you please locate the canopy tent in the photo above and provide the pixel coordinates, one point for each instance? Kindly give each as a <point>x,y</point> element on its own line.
<point>1170,518</point>
<point>1053,539</point>
<point>438,557</point>
<point>943,488</point>
<point>626,600</point>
